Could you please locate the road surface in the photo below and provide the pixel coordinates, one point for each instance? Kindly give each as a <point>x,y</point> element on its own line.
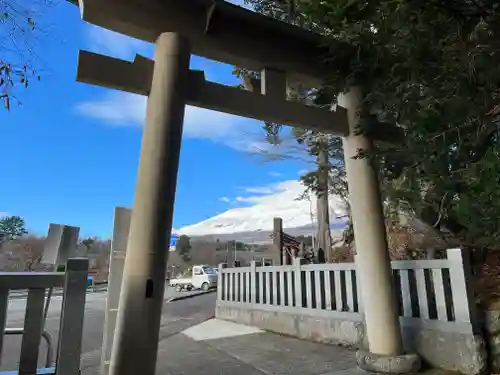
<point>176,317</point>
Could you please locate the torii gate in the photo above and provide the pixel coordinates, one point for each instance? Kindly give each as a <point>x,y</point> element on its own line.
<point>283,53</point>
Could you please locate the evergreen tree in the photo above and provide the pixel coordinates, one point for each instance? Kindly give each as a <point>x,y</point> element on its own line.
<point>430,67</point>
<point>183,247</point>
<point>11,227</point>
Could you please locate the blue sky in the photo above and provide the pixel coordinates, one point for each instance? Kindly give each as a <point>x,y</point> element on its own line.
<point>70,152</point>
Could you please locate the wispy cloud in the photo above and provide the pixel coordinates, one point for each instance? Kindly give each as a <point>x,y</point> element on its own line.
<point>115,44</point>
<point>225,199</point>
<point>260,190</point>
<point>275,174</point>
<point>124,109</point>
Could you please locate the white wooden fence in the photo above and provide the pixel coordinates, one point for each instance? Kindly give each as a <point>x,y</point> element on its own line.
<point>430,293</point>
<point>74,284</point>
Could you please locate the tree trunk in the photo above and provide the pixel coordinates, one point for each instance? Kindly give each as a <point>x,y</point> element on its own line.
<point>324,239</point>
<point>430,253</point>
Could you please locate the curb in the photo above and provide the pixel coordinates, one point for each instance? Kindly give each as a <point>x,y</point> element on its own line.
<point>60,293</point>
<point>180,298</point>
<point>54,294</point>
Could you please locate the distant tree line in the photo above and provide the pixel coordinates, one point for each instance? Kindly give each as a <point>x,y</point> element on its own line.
<point>23,251</point>
<point>233,245</point>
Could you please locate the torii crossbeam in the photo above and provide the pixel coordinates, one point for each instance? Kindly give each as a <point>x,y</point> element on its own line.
<point>136,78</point>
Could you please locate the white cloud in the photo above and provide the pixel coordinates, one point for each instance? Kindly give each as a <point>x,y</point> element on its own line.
<point>244,199</point>
<point>114,44</point>
<point>275,174</point>
<point>260,190</point>
<point>225,199</point>
<point>118,108</point>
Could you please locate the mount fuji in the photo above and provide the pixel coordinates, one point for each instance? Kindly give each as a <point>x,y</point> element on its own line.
<point>252,218</point>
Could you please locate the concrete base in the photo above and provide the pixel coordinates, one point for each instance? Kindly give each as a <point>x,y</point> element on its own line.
<point>401,364</point>
<point>347,333</point>
<point>453,351</point>
<point>492,335</point>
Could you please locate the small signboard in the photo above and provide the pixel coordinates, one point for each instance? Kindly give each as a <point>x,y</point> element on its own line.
<point>173,241</point>
<point>90,282</point>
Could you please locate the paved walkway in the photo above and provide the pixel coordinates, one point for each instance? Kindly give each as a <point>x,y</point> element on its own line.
<point>217,347</point>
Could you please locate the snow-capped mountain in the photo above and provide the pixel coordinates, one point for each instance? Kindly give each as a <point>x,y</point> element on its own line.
<point>264,204</point>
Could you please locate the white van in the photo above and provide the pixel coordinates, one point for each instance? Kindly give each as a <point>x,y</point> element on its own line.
<point>198,277</point>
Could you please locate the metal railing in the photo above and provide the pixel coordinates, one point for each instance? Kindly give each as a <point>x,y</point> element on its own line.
<point>74,284</point>
<point>49,357</point>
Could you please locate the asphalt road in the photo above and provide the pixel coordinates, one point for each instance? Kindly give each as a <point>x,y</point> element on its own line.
<point>176,317</point>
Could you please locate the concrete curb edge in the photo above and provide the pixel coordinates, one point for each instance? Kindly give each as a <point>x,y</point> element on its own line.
<point>180,298</point>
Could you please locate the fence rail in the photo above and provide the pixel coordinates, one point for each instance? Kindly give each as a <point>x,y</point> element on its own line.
<point>74,283</point>
<point>430,292</point>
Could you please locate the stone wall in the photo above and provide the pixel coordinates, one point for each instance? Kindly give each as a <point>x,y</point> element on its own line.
<point>492,336</point>
<point>459,351</point>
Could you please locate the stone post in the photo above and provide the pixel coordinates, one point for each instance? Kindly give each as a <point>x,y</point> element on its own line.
<point>62,241</point>
<point>278,240</point>
<point>121,226</point>
<point>302,251</point>
<point>373,263</point>
<point>138,321</point>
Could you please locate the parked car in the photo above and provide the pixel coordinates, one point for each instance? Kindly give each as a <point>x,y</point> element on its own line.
<point>198,277</point>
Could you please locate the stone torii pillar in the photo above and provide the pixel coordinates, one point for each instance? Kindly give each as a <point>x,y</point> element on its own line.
<point>138,322</point>
<point>382,325</point>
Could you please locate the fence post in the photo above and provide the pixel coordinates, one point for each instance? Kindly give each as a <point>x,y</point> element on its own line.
<point>4,304</point>
<point>220,284</point>
<point>358,286</point>
<point>253,282</point>
<point>463,295</point>
<point>72,313</point>
<point>33,327</point>
<point>299,289</point>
